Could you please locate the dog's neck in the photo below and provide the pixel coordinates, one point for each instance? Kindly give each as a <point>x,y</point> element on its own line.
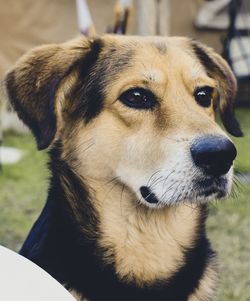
<point>150,247</point>
<point>147,244</point>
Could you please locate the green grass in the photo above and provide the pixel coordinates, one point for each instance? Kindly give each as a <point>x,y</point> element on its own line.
<point>228,229</point>
<point>23,192</point>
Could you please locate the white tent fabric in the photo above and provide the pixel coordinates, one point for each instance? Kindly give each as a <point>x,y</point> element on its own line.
<point>22,280</point>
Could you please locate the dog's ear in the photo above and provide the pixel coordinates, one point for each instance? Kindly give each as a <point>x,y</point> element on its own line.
<point>218,69</point>
<point>33,83</point>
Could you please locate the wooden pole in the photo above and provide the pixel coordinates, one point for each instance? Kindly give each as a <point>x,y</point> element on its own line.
<point>152,17</point>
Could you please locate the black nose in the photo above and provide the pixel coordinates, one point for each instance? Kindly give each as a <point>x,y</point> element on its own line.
<point>214,154</point>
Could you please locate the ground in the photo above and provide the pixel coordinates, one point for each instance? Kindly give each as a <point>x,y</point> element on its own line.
<point>23,192</point>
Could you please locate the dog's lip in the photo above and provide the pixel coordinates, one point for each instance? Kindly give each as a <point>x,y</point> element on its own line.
<point>217,192</point>
<point>209,181</point>
<point>211,185</point>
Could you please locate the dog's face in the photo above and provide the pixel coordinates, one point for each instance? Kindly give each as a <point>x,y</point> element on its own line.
<point>138,110</point>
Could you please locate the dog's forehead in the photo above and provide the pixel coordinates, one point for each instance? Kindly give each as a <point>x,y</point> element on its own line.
<point>156,41</point>
<point>154,57</point>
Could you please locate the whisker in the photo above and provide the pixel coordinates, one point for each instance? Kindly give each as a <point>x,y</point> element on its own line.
<point>152,177</point>
<point>122,190</point>
<point>156,181</point>
<point>108,192</point>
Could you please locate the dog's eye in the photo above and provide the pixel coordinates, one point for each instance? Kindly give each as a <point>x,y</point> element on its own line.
<point>203,96</point>
<point>138,98</point>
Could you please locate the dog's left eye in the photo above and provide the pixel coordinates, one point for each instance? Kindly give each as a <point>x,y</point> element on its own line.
<point>138,98</point>
<point>203,96</point>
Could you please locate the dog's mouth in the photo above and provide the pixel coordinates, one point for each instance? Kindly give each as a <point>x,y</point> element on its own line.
<point>211,186</point>
<point>200,191</point>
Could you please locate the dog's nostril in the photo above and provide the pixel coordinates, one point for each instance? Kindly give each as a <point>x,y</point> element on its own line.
<point>214,154</point>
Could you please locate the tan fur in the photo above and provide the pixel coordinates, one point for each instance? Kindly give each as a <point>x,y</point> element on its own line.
<point>140,238</point>
<point>77,296</point>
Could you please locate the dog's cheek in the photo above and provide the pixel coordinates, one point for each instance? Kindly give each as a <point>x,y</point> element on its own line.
<point>140,158</point>
<point>97,147</point>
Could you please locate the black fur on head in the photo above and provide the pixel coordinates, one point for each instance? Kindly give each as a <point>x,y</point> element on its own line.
<point>33,83</point>
<point>217,68</point>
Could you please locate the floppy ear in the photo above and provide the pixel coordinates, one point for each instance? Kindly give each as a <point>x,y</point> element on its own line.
<point>218,69</point>
<point>33,82</point>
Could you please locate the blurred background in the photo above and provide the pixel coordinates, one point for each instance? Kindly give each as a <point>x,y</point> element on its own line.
<point>221,24</point>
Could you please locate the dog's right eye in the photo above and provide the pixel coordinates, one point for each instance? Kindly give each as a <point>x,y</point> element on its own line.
<point>138,98</point>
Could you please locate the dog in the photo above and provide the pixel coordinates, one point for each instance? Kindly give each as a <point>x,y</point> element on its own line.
<point>135,156</point>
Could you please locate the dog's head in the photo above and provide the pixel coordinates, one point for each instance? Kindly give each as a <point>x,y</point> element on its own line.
<point>141,110</point>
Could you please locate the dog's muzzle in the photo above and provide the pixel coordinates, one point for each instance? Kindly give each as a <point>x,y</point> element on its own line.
<point>207,177</point>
